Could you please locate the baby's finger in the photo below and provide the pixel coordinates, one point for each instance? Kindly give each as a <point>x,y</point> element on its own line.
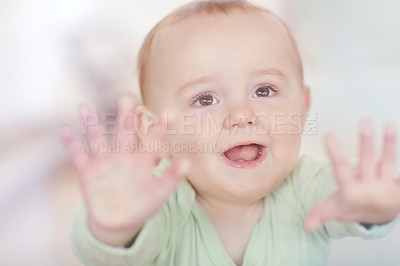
<point>388,160</point>
<point>79,157</point>
<point>174,175</point>
<point>367,167</point>
<point>320,214</point>
<point>340,163</point>
<point>152,141</point>
<point>93,130</point>
<point>126,120</point>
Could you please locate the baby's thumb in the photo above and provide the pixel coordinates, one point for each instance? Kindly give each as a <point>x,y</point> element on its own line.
<point>174,174</point>
<point>317,216</point>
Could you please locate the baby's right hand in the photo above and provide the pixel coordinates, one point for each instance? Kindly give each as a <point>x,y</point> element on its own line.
<point>119,188</point>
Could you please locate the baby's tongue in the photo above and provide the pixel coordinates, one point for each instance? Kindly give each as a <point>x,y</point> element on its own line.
<point>242,153</point>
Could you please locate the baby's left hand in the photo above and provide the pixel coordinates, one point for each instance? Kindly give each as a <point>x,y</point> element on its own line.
<point>372,195</point>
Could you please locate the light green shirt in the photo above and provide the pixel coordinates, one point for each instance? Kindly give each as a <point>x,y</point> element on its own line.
<point>181,233</point>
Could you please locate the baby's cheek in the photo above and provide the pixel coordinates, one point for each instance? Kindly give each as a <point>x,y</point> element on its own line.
<point>285,123</point>
<point>285,134</point>
<point>190,144</point>
<point>294,124</point>
<point>286,146</point>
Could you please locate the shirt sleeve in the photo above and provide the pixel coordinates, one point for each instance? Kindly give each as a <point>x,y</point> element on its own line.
<point>91,251</point>
<point>315,183</point>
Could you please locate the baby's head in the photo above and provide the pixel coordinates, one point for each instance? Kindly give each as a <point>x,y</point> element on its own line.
<point>233,72</point>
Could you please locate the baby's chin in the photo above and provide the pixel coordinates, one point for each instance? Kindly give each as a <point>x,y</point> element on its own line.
<point>258,190</point>
<point>242,188</point>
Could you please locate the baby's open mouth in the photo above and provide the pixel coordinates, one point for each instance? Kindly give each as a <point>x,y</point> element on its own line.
<point>244,153</point>
<point>244,156</point>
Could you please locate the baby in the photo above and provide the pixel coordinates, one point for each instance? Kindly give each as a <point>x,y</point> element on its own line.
<point>226,75</point>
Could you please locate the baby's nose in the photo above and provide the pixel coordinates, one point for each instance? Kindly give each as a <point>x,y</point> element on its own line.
<point>240,116</point>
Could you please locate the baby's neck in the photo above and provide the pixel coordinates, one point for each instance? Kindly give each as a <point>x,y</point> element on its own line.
<point>234,223</point>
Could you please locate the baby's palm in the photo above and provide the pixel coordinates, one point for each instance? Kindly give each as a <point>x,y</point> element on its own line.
<point>116,178</point>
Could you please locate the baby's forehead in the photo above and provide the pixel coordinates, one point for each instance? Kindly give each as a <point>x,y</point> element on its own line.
<point>218,21</point>
<point>210,28</point>
<point>201,30</point>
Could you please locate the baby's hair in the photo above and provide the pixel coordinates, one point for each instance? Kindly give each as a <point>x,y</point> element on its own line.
<point>202,7</point>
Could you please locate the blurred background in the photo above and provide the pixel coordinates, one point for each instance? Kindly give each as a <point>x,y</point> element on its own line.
<point>56,54</point>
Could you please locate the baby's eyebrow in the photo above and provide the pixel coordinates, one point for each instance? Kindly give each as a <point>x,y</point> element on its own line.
<point>201,80</point>
<point>268,71</point>
<point>207,79</point>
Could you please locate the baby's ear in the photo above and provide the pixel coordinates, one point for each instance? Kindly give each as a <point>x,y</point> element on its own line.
<point>145,120</point>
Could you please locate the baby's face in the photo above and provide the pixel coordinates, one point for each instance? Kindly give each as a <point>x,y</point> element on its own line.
<point>234,82</point>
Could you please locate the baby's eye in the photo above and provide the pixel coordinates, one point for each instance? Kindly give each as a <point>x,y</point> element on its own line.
<point>264,91</point>
<point>204,99</point>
